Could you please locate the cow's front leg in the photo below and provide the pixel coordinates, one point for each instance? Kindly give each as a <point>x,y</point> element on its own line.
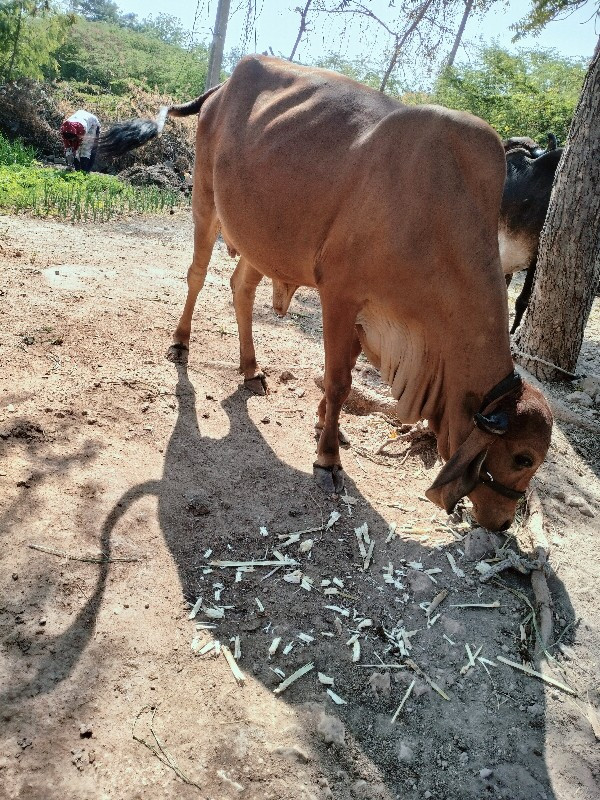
<point>341,351</point>
<point>244,281</point>
<point>321,410</point>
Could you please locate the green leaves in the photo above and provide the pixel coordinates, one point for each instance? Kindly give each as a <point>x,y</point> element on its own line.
<point>30,34</point>
<point>531,93</point>
<point>78,196</point>
<point>541,12</point>
<point>112,56</point>
<point>15,153</point>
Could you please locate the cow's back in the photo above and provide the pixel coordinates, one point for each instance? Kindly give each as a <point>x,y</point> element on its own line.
<point>283,145</point>
<point>311,169</point>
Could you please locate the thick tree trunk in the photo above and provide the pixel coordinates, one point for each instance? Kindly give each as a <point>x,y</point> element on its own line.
<point>568,266</point>
<point>215,56</point>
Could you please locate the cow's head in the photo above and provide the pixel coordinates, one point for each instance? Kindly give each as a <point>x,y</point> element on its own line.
<point>493,467</point>
<point>533,149</point>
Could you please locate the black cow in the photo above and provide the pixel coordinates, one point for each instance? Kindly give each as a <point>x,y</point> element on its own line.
<point>525,200</point>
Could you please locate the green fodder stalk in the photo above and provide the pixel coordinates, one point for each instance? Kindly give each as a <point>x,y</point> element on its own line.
<point>52,193</point>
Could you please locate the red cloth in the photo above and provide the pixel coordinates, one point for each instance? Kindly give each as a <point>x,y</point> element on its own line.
<point>72,133</point>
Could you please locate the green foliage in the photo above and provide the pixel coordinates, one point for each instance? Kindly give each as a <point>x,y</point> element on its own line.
<point>362,70</point>
<point>165,27</point>
<point>544,11</point>
<point>97,10</point>
<point>30,34</point>
<point>15,152</point>
<point>110,56</point>
<point>78,196</point>
<point>530,93</point>
<point>106,106</point>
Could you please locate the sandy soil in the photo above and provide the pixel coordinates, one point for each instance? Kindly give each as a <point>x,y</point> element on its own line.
<point>150,471</point>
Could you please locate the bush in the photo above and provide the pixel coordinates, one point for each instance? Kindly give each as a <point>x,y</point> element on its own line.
<point>530,93</point>
<point>78,196</point>
<point>110,56</point>
<point>29,112</point>
<point>31,32</point>
<point>15,153</point>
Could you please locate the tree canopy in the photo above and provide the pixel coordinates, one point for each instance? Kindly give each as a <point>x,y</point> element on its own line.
<point>526,93</point>
<point>30,34</point>
<point>541,12</point>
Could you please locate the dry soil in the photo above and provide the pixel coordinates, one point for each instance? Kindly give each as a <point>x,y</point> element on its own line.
<point>144,472</point>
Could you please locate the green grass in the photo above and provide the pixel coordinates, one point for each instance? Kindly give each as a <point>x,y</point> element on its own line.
<point>77,196</point>
<point>15,153</point>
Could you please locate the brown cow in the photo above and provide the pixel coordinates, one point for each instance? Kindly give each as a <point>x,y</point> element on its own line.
<point>319,181</point>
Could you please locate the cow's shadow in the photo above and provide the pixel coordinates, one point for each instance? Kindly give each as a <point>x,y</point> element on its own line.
<point>201,470</point>
<point>204,474</point>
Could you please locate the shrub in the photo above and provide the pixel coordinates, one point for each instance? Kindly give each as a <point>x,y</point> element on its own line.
<point>530,93</point>
<point>110,56</point>
<point>78,196</point>
<point>15,152</point>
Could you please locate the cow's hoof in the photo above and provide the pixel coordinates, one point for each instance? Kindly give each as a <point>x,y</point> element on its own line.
<point>178,353</point>
<point>256,385</point>
<point>329,479</point>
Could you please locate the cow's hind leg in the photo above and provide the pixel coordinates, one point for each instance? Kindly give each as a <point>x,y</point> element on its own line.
<point>206,226</point>
<point>341,351</point>
<point>244,281</point>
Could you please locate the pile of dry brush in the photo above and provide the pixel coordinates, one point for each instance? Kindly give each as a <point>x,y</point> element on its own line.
<point>33,112</point>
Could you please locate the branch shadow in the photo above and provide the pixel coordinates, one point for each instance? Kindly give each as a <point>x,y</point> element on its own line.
<point>70,644</point>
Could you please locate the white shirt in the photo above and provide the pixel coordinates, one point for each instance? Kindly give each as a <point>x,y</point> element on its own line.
<point>92,128</point>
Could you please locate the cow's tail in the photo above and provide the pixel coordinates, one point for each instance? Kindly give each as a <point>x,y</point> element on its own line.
<point>126,136</point>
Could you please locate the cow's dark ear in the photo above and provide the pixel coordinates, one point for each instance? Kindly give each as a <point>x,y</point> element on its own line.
<point>460,474</point>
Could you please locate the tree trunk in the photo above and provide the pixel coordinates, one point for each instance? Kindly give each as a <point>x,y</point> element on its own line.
<point>215,58</point>
<point>459,33</point>
<point>568,266</point>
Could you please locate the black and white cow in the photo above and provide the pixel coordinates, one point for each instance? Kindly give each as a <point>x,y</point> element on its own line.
<point>530,174</point>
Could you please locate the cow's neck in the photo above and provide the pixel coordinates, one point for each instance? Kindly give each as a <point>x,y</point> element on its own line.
<point>434,374</point>
<point>464,387</point>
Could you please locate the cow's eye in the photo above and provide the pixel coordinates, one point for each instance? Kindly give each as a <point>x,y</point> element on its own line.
<point>523,461</point>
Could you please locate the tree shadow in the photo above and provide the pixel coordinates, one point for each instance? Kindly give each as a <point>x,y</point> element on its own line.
<point>51,669</point>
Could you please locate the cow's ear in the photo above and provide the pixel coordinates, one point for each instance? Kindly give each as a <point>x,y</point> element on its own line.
<point>460,474</point>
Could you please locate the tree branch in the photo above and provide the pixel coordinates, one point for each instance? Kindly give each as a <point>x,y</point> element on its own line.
<point>459,33</point>
<point>302,29</point>
<point>401,41</point>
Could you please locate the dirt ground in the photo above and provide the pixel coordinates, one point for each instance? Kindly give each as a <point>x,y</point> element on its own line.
<point>144,472</point>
